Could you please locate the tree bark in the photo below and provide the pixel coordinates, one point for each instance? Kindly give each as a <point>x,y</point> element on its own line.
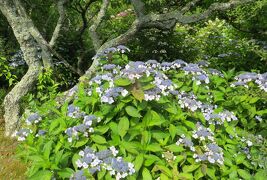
<point>32,56</point>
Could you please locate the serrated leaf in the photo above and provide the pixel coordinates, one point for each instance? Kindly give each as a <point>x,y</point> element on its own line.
<point>81,142</point>
<point>146,136</point>
<point>211,173</point>
<point>190,168</point>
<point>98,139</point>
<point>185,176</point>
<point>240,158</point>
<point>130,147</point>
<point>163,169</point>
<point>42,174</point>
<point>174,148</point>
<point>153,147</point>
<point>132,111</point>
<point>190,124</point>
<point>65,173</point>
<point>47,149</point>
<point>172,130</point>
<point>123,126</point>
<point>261,175</point>
<point>244,174</point>
<point>153,119</point>
<point>75,157</point>
<point>122,82</point>
<point>138,162</point>
<point>138,94</point>
<point>146,174</point>
<point>230,130</point>
<point>163,177</point>
<point>198,174</point>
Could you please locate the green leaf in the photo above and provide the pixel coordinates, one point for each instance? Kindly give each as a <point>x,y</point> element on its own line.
<point>204,168</point>
<point>101,129</point>
<point>261,175</point>
<point>174,148</point>
<point>172,109</point>
<point>244,174</point>
<point>130,147</point>
<point>185,176</point>
<point>42,174</point>
<point>122,82</point>
<point>146,137</point>
<point>47,149</point>
<point>190,124</point>
<point>190,168</point>
<point>198,174</point>
<point>146,174</point>
<point>98,139</point>
<point>211,173</point>
<point>101,174</point>
<point>163,169</point>
<point>138,162</point>
<point>153,147</point>
<point>240,158</point>
<point>153,119</point>
<point>163,177</point>
<point>179,158</point>
<point>132,111</point>
<point>65,173</point>
<point>123,126</point>
<point>75,157</point>
<point>172,130</point>
<point>81,142</point>
<point>230,130</point>
<point>138,94</point>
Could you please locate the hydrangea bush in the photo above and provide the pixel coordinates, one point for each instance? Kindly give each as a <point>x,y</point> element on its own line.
<point>150,120</point>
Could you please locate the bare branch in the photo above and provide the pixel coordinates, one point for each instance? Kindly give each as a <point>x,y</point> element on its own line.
<point>61,11</point>
<point>189,5</point>
<point>139,7</point>
<point>122,39</point>
<point>84,18</point>
<point>165,21</point>
<point>94,26</point>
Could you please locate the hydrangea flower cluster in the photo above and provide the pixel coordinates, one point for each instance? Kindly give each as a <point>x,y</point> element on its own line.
<point>22,134</point>
<point>186,142</point>
<point>203,133</point>
<point>74,112</point>
<point>85,128</point>
<point>103,55</point>
<point>189,101</point>
<point>169,156</point>
<point>245,78</point>
<point>110,94</point>
<point>34,118</point>
<point>105,159</point>
<point>213,153</point>
<point>219,118</point>
<point>41,132</point>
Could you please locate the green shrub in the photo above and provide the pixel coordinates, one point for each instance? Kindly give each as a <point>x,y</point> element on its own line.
<point>151,120</point>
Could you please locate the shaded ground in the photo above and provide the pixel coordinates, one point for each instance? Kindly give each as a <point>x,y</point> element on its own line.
<point>10,167</point>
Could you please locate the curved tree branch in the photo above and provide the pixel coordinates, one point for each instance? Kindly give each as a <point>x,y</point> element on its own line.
<point>162,21</point>
<point>189,5</point>
<point>31,53</point>
<point>93,34</point>
<point>139,8</point>
<point>62,15</point>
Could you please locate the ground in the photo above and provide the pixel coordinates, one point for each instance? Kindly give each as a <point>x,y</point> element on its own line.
<point>10,167</point>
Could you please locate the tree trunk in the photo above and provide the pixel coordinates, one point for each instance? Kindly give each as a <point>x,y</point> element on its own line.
<point>32,55</point>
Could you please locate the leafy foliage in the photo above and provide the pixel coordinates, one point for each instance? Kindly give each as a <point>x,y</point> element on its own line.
<point>164,120</point>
